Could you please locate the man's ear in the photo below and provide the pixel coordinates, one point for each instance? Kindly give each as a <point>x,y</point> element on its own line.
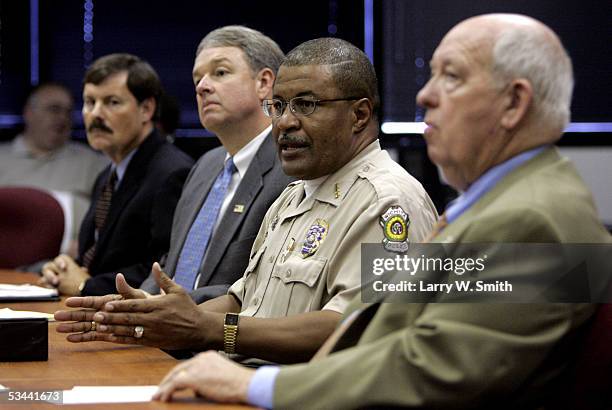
<point>519,96</point>
<point>362,114</point>
<point>264,82</point>
<point>147,109</point>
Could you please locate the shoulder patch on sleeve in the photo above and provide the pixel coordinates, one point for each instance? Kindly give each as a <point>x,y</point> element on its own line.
<point>395,223</point>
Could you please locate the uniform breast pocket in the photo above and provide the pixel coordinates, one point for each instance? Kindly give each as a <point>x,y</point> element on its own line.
<point>250,274</point>
<point>297,284</point>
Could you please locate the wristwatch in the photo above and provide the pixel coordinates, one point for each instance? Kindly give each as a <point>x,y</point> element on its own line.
<point>230,332</point>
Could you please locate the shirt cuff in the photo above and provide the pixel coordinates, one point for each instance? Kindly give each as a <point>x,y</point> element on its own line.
<point>261,388</point>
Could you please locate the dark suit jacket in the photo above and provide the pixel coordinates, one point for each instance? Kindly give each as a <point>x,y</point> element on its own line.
<point>229,249</point>
<point>466,355</point>
<point>137,229</point>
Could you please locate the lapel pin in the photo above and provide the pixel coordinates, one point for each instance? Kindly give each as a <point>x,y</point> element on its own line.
<point>239,208</point>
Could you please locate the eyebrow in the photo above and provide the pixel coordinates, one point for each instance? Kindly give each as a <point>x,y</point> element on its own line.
<point>300,94</point>
<point>104,96</point>
<point>218,60</point>
<point>214,61</point>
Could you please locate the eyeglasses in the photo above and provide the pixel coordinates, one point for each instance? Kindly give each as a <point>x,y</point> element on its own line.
<point>275,107</point>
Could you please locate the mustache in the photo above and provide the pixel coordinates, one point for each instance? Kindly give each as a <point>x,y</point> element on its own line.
<point>291,139</point>
<point>99,125</point>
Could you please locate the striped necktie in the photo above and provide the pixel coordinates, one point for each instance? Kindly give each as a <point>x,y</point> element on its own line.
<point>200,232</point>
<point>103,205</point>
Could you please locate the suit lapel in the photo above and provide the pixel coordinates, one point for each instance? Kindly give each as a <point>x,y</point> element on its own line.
<point>250,186</point>
<point>132,179</point>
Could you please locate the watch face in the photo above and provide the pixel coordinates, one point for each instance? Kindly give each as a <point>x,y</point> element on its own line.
<point>231,319</point>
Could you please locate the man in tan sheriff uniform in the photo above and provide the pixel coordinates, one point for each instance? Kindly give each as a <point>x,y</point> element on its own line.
<point>307,255</point>
<point>305,262</point>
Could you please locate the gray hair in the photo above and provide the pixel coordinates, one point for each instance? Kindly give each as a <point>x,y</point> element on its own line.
<point>531,54</point>
<point>351,69</point>
<point>260,50</point>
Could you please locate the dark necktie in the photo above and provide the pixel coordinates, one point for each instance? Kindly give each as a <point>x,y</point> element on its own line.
<point>102,207</point>
<point>200,232</point>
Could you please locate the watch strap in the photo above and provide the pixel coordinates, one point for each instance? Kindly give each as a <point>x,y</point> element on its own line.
<point>230,332</point>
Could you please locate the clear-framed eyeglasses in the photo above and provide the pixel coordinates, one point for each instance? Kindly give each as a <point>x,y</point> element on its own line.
<point>275,107</point>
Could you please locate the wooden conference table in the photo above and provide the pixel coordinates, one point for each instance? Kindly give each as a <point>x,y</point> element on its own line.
<point>88,364</point>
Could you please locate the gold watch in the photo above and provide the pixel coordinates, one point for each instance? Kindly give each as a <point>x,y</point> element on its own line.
<point>230,332</point>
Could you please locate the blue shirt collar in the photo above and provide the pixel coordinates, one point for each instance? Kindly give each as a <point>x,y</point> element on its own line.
<point>122,167</point>
<point>486,182</point>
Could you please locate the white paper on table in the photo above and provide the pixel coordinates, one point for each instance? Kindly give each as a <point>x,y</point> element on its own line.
<point>8,313</point>
<point>108,394</point>
<point>25,291</point>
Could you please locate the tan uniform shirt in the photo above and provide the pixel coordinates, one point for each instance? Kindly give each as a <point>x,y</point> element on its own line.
<point>307,253</point>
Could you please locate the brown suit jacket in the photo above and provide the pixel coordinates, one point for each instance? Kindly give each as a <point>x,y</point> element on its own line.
<point>466,355</point>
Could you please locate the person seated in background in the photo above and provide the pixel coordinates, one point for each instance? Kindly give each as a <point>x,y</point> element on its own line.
<point>127,226</point>
<point>304,264</point>
<point>43,156</point>
<point>497,100</point>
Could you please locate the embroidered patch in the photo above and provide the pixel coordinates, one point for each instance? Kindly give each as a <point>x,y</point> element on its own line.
<point>314,237</point>
<point>395,224</point>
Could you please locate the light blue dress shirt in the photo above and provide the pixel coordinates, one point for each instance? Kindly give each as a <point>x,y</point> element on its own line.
<point>122,167</point>
<point>486,182</point>
<point>261,388</point>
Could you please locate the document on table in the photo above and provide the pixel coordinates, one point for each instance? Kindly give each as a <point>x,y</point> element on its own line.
<point>26,292</point>
<point>108,394</point>
<point>8,313</point>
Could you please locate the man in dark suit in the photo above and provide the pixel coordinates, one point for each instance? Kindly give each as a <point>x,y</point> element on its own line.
<point>497,100</point>
<point>233,72</point>
<point>128,225</point>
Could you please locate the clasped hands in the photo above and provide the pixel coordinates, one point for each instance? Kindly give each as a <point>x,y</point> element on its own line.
<point>170,321</point>
<point>64,274</point>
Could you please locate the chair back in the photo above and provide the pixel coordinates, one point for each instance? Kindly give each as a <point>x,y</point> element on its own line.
<point>592,387</point>
<point>31,226</point>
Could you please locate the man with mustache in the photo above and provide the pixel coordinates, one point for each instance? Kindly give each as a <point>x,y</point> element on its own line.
<point>128,224</point>
<point>305,262</point>
<point>497,100</point>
